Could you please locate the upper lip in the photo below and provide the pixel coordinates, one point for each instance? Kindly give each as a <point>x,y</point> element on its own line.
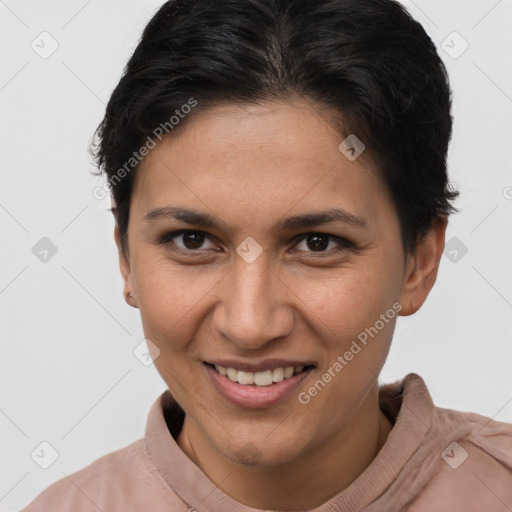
<point>258,366</point>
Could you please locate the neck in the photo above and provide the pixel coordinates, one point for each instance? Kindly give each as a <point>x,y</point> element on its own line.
<point>337,462</point>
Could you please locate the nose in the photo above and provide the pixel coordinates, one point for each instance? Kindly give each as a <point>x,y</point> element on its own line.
<point>255,305</point>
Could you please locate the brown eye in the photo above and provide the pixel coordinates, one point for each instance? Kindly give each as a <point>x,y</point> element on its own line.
<point>187,240</point>
<point>193,240</point>
<point>321,242</point>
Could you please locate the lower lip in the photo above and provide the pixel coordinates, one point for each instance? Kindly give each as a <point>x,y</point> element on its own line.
<point>253,397</point>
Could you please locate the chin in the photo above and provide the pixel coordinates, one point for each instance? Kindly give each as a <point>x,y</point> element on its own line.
<point>259,451</point>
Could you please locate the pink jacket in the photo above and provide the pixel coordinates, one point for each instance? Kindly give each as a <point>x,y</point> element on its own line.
<point>434,460</point>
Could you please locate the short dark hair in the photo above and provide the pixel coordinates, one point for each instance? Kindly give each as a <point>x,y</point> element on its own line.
<point>368,61</point>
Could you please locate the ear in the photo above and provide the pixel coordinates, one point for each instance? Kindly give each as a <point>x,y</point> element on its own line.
<point>124,265</point>
<point>422,267</point>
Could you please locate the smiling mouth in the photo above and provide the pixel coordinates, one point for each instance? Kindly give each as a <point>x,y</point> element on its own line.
<point>262,378</point>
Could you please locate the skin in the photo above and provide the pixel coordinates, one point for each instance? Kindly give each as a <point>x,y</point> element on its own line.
<point>251,167</point>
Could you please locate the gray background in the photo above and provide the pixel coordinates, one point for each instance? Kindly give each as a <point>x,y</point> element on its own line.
<point>68,373</point>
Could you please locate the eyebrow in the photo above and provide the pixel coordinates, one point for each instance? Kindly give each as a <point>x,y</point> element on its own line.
<point>304,220</point>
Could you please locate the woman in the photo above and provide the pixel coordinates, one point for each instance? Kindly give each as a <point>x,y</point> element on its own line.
<point>278,175</point>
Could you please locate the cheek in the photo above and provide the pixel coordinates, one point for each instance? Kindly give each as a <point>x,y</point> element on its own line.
<point>346,312</point>
<point>342,303</point>
<point>170,298</point>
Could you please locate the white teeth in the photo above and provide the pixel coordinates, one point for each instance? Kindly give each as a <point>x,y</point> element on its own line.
<point>277,374</point>
<point>232,374</point>
<point>245,377</point>
<point>288,372</point>
<point>265,378</point>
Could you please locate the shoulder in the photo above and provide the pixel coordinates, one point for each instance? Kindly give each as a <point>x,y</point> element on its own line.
<point>474,469</point>
<point>105,484</point>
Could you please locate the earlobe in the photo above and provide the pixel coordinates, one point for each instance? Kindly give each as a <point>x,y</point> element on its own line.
<point>124,266</point>
<point>422,267</point>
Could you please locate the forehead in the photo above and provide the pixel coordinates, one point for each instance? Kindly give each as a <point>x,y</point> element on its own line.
<point>253,158</point>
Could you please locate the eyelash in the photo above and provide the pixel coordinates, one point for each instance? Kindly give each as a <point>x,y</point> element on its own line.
<point>343,242</point>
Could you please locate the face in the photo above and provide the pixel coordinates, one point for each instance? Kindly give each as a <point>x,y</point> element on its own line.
<point>221,278</point>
